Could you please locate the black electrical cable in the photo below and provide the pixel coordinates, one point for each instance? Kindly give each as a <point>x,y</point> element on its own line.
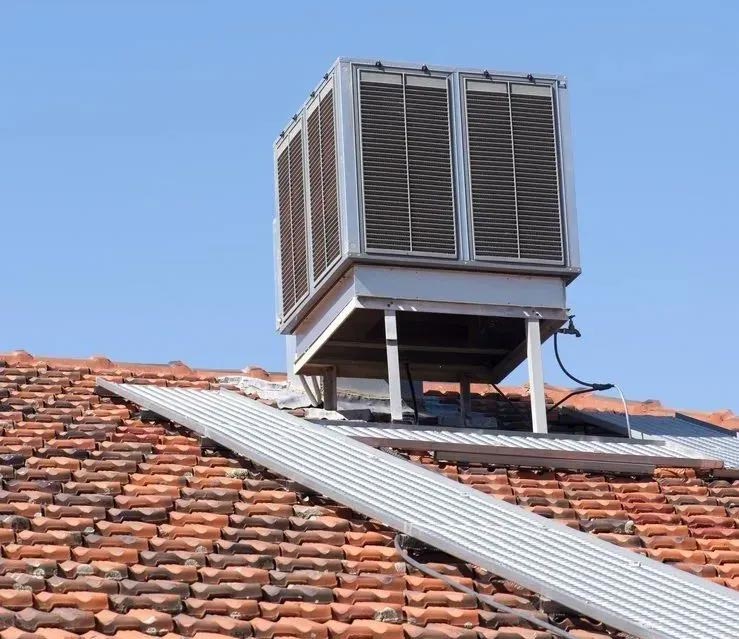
<point>413,393</point>
<point>580,391</point>
<point>571,330</point>
<point>485,599</point>
<point>595,387</point>
<point>507,400</point>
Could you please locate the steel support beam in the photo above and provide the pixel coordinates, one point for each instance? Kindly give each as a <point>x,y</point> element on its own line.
<point>330,390</point>
<point>393,366</point>
<point>536,376</point>
<point>465,402</point>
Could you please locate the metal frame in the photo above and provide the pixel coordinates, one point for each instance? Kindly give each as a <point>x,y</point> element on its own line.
<point>393,366</point>
<point>344,75</point>
<point>448,291</point>
<point>536,375</point>
<point>596,578</point>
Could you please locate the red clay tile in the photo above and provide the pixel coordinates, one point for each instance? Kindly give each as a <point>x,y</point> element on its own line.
<point>82,584</point>
<point>155,586</point>
<point>191,626</point>
<point>299,593</point>
<point>150,622</point>
<point>377,611</point>
<point>81,600</point>
<point>234,608</point>
<point>69,619</point>
<point>167,603</point>
<point>185,574</point>
<point>230,590</point>
<point>673,555</point>
<point>16,599</point>
<point>364,629</point>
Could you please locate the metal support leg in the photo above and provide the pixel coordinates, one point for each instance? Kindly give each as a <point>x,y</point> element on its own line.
<point>393,366</point>
<point>330,391</point>
<point>465,404</point>
<point>536,376</point>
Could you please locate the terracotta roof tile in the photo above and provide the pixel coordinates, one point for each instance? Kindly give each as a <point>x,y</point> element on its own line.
<point>114,526</point>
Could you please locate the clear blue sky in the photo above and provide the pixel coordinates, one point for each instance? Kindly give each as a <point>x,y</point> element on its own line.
<point>136,171</point>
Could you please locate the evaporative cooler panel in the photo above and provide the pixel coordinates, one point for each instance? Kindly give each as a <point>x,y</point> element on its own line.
<point>514,181</point>
<point>292,221</point>
<point>406,157</point>
<point>322,173</point>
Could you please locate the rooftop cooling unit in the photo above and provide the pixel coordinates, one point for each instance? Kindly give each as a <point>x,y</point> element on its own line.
<point>440,196</point>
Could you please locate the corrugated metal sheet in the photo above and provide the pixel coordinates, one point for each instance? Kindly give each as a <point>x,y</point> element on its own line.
<point>552,442</point>
<point>623,589</point>
<point>689,436</point>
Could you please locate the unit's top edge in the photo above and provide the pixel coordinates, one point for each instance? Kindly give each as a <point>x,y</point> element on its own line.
<point>447,69</point>
<point>561,80</point>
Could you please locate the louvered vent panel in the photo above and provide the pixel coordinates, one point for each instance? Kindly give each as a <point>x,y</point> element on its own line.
<point>513,172</point>
<point>324,213</point>
<point>287,278</point>
<point>407,165</point>
<point>430,166</point>
<point>330,180</point>
<point>385,167</point>
<point>537,184</point>
<point>293,241</point>
<point>315,180</point>
<point>491,174</point>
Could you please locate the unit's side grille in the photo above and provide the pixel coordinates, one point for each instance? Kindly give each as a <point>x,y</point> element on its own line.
<point>324,211</point>
<point>407,164</point>
<point>514,182</point>
<point>287,279</point>
<point>430,169</point>
<point>293,241</point>
<point>330,186</point>
<point>385,167</point>
<point>315,185</point>
<point>491,174</point>
<point>537,184</point>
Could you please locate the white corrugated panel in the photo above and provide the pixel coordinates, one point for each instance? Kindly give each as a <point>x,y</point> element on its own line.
<point>473,437</point>
<point>694,439</point>
<point>620,588</point>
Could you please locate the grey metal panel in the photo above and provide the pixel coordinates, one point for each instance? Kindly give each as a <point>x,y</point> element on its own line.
<point>460,287</point>
<point>689,435</point>
<point>517,440</point>
<point>623,589</point>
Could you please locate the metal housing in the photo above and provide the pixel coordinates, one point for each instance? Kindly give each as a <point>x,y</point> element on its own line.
<point>346,250</point>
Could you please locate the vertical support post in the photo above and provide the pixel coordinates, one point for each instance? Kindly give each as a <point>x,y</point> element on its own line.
<point>330,390</point>
<point>536,376</point>
<point>465,403</point>
<point>393,366</point>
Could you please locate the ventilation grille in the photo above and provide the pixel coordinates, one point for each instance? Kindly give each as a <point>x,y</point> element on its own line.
<point>324,204</point>
<point>407,165</point>
<point>513,172</point>
<point>293,241</point>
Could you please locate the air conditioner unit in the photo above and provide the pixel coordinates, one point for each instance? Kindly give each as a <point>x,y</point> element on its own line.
<point>441,192</point>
